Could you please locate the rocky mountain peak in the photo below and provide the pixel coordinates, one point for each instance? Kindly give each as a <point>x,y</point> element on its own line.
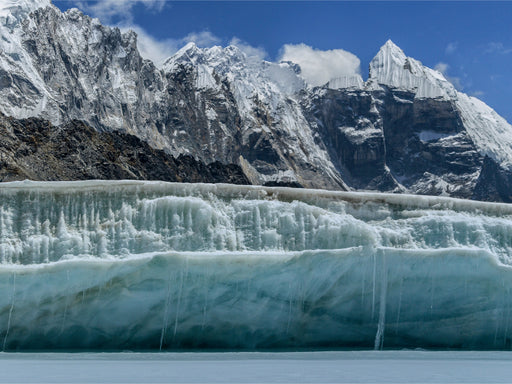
<point>14,11</point>
<point>189,54</point>
<point>213,56</point>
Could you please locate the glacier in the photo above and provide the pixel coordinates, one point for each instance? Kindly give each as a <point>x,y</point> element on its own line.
<point>130,265</point>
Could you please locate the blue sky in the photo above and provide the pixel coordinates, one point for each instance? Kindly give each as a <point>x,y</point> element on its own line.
<point>471,42</point>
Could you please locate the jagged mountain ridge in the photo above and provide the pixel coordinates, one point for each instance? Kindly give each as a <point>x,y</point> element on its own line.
<point>405,129</point>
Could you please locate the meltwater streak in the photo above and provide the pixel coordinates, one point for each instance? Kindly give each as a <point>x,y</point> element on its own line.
<point>151,265</point>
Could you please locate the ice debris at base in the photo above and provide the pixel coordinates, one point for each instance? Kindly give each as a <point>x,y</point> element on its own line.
<point>151,265</point>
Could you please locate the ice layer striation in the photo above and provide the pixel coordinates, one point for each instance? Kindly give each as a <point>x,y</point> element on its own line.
<point>145,266</point>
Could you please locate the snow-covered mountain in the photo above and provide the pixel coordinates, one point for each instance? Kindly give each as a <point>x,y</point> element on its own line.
<point>405,129</point>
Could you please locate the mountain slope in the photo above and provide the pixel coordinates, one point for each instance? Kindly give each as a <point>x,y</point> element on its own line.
<point>35,149</point>
<point>408,129</point>
<point>405,129</point>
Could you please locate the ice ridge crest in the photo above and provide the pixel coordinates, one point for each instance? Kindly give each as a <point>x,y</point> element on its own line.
<point>391,67</point>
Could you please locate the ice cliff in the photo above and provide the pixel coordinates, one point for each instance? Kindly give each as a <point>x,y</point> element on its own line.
<point>132,265</point>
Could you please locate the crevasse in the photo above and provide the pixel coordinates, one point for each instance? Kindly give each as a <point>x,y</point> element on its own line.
<point>141,265</point>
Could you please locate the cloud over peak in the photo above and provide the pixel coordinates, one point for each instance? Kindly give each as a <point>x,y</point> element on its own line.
<point>443,69</point>
<point>318,67</point>
<point>109,11</point>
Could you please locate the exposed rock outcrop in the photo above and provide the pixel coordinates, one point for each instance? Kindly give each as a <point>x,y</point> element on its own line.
<point>35,149</point>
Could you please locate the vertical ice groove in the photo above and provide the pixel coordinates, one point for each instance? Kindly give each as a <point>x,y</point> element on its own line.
<point>65,305</point>
<point>205,303</point>
<point>379,337</point>
<point>257,227</point>
<point>11,309</point>
<point>432,286</point>
<point>397,323</point>
<point>374,277</point>
<point>178,305</point>
<point>507,318</point>
<point>289,319</point>
<point>363,286</point>
<point>499,310</point>
<point>166,312</point>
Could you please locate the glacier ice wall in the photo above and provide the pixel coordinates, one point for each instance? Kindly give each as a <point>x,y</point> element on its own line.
<point>140,265</point>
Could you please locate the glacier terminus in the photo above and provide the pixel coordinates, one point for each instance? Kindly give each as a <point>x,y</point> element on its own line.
<point>398,233</point>
<point>166,266</point>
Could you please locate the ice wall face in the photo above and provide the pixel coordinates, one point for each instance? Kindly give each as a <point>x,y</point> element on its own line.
<point>127,265</point>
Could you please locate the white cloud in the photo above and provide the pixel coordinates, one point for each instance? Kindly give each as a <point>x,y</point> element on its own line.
<point>249,50</point>
<point>108,10</point>
<point>151,48</point>
<point>318,67</point>
<point>201,39</point>
<point>443,68</point>
<point>451,48</point>
<point>497,47</point>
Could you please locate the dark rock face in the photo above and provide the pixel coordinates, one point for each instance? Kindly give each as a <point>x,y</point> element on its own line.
<point>351,129</point>
<point>427,148</point>
<point>388,140</point>
<point>35,149</point>
<point>494,183</point>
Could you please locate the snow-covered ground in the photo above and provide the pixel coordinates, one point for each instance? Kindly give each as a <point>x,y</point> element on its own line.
<point>298,367</point>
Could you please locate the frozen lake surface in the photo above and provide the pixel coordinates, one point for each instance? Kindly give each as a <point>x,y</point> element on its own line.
<point>293,367</point>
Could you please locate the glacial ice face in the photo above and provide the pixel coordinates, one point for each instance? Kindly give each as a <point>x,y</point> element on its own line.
<point>134,265</point>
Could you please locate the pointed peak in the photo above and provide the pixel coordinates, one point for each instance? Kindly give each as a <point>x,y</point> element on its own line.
<point>392,50</point>
<point>188,51</point>
<point>390,45</point>
<point>235,52</point>
<point>187,54</point>
<point>189,47</point>
<point>391,67</point>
